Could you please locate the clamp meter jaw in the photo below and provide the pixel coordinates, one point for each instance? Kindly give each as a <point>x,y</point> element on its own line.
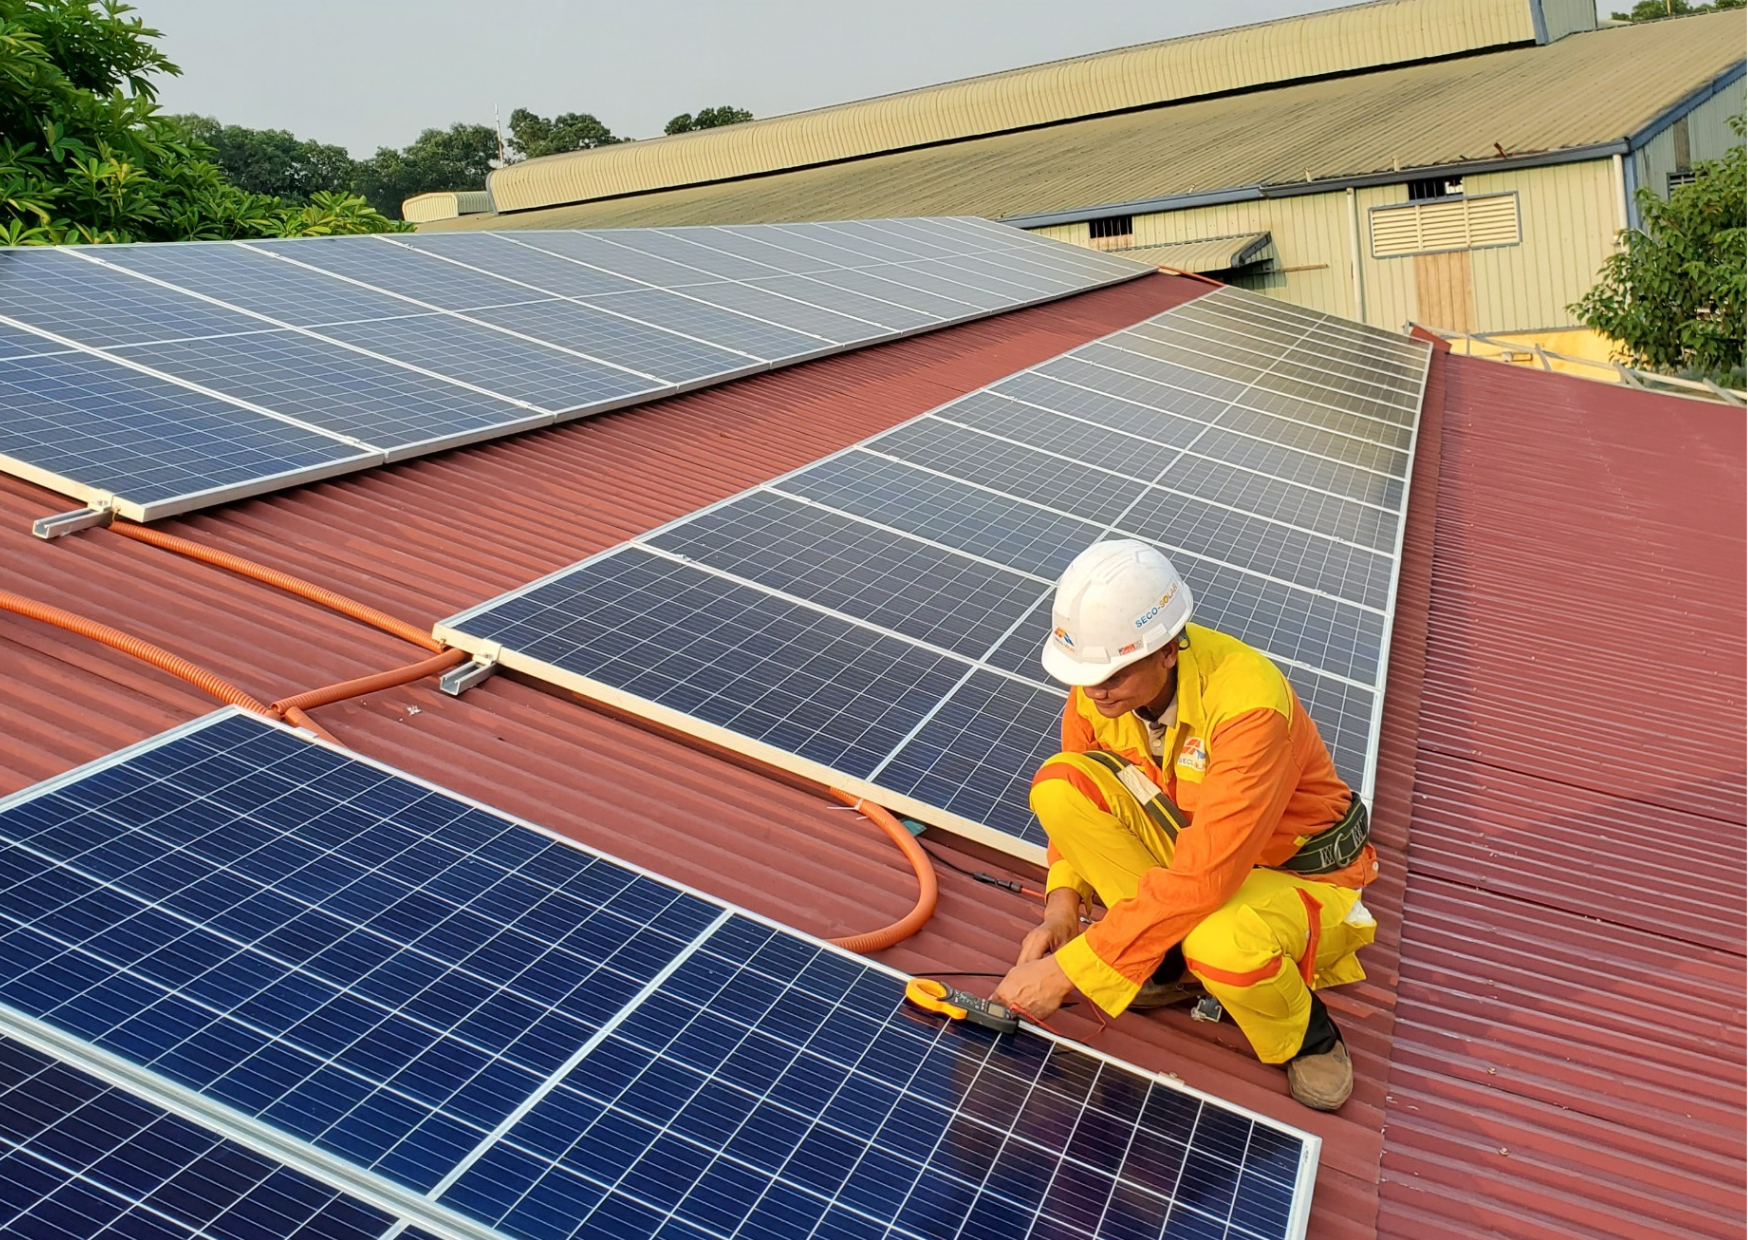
<point>934,996</point>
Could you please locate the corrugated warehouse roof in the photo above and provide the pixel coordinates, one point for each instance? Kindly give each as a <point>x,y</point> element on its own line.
<point>1498,971</point>
<point>1313,45</point>
<point>1569,1042</point>
<point>1584,91</point>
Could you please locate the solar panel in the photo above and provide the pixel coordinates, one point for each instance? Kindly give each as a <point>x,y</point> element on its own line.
<point>81,1158</point>
<point>397,346</point>
<point>434,1014</point>
<point>874,620</point>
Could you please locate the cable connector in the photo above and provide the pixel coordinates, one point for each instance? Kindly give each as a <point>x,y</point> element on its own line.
<point>1006,884</point>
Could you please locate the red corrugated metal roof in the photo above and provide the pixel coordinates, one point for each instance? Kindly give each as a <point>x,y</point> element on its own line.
<point>1569,1043</point>
<point>426,537</point>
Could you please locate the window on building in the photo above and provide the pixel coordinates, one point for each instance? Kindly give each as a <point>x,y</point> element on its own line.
<point>1681,176</point>
<point>1112,226</point>
<point>1437,187</point>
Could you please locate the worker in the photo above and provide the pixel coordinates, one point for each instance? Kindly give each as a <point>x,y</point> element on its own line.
<point>1194,799</point>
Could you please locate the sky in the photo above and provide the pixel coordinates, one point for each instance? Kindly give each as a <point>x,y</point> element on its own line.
<point>370,73</point>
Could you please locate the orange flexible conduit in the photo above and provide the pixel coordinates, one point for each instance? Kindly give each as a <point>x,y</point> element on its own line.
<point>292,708</point>
<point>284,581</point>
<point>371,684</point>
<point>928,890</point>
<point>157,656</point>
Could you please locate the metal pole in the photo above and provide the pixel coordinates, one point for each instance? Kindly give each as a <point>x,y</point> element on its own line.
<point>1353,242</point>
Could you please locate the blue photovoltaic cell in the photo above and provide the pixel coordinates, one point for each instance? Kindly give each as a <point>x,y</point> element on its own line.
<point>887,314</point>
<point>548,378</point>
<point>81,1159</point>
<point>757,1084</point>
<point>777,672</point>
<point>397,269</point>
<point>562,322</point>
<point>550,274</point>
<point>367,965</point>
<point>90,304</point>
<point>927,593</point>
<point>1012,468</point>
<point>254,280</point>
<point>976,755</point>
<point>339,390</point>
<point>102,425</point>
<point>686,313</point>
<point>966,518</point>
<point>1282,511</point>
<point>665,355</point>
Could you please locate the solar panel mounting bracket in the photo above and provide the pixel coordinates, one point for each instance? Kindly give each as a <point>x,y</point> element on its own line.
<point>458,680</point>
<point>98,512</point>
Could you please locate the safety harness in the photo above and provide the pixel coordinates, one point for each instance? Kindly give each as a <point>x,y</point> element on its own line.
<point>1323,853</point>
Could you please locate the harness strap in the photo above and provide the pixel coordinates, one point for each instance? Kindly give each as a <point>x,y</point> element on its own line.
<point>1324,853</point>
<point>1161,811</point>
<point>1336,848</point>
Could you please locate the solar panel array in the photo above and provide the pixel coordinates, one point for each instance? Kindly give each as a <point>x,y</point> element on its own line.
<point>874,620</point>
<point>251,985</point>
<point>163,378</point>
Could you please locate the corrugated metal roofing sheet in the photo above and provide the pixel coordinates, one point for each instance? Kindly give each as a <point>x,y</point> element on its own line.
<point>1569,1044</point>
<point>1589,88</point>
<point>1350,38</point>
<point>1204,254</point>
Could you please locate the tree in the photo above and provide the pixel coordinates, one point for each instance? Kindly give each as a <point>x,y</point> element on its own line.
<point>532,136</point>
<point>86,156</point>
<point>706,118</point>
<point>1651,10</point>
<point>438,159</point>
<point>1673,295</point>
<point>273,161</point>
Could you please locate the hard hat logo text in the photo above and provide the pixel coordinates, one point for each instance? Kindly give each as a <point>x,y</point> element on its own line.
<point>1153,611</point>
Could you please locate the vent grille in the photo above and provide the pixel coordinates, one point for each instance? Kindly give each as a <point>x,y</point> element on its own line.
<point>1457,224</point>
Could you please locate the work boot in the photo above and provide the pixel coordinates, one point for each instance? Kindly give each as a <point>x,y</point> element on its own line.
<point>1322,1082</point>
<point>1321,1074</point>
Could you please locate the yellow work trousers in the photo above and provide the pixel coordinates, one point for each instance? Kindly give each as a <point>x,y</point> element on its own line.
<point>1251,952</point>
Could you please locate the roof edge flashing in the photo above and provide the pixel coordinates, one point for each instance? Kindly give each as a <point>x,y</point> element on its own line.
<point>1321,185</point>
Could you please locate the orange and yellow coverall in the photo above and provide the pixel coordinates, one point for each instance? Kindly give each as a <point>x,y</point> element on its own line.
<point>1246,767</point>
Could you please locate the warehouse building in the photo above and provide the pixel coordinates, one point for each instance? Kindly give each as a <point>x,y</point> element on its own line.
<point>1466,165</point>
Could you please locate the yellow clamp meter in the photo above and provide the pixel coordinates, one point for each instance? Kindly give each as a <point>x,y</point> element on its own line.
<point>933,996</point>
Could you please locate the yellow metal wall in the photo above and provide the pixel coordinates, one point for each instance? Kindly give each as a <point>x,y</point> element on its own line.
<point>1569,217</point>
<point>1567,214</point>
<point>1358,37</point>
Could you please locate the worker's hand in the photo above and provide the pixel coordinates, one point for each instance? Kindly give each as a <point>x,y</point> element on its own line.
<point>1035,989</point>
<point>1061,923</point>
<point>1047,936</point>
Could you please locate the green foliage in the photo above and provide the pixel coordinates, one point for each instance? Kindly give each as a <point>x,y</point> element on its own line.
<point>438,159</point>
<point>273,161</point>
<point>1673,296</point>
<point>532,136</point>
<point>706,118</point>
<point>85,156</point>
<point>1651,10</point>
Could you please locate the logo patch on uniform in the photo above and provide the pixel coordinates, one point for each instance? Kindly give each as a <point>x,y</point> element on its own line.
<point>1195,755</point>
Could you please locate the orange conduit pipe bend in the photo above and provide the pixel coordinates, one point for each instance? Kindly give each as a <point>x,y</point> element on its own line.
<point>370,684</point>
<point>157,656</point>
<point>283,581</point>
<point>928,890</point>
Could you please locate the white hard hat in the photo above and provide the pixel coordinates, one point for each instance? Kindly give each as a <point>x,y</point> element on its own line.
<point>1119,601</point>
